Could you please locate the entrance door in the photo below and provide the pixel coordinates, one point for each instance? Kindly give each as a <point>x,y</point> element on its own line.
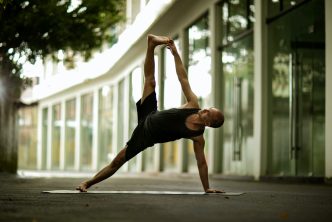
<point>297,69</point>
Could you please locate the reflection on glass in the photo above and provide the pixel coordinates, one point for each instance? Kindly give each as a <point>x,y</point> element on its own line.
<point>86,131</point>
<point>297,73</point>
<point>121,117</point>
<point>238,16</point>
<point>199,69</point>
<point>237,61</point>
<point>105,152</point>
<point>56,112</point>
<point>44,137</point>
<point>70,133</point>
<point>172,98</point>
<point>277,6</point>
<point>27,138</point>
<point>136,93</point>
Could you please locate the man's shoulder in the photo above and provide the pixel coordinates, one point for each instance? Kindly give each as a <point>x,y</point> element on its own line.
<point>190,105</point>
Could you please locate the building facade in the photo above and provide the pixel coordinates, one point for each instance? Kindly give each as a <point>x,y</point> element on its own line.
<point>264,63</point>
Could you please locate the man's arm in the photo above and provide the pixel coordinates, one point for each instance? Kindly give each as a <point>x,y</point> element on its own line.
<point>182,76</point>
<point>199,144</point>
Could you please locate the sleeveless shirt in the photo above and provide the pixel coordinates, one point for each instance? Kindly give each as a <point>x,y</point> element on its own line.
<point>169,125</point>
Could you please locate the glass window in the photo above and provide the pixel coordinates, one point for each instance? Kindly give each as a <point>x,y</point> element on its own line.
<point>238,70</point>
<point>238,16</point>
<point>27,139</point>
<point>70,133</point>
<point>86,131</point>
<point>44,137</point>
<point>277,6</point>
<point>135,95</point>
<point>172,98</point>
<point>121,117</point>
<point>296,68</point>
<point>106,152</point>
<point>199,72</point>
<point>56,131</point>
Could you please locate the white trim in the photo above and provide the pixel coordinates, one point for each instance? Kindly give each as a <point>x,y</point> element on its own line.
<point>260,92</point>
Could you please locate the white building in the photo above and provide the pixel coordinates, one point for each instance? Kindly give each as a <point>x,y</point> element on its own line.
<point>264,63</point>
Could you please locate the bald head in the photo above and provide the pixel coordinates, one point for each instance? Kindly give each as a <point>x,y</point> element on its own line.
<point>217,118</point>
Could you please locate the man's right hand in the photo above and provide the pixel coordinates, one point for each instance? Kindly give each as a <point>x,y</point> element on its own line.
<point>171,46</point>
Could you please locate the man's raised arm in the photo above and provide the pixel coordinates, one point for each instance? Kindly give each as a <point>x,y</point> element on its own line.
<point>182,75</point>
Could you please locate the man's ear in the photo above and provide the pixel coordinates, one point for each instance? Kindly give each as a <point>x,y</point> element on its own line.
<point>205,111</point>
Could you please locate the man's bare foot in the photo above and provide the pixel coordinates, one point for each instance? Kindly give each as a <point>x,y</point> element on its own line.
<point>154,40</point>
<point>83,187</point>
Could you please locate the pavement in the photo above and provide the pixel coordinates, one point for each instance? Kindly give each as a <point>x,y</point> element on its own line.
<point>21,200</point>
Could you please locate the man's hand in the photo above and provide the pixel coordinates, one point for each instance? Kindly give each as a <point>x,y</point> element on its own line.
<point>214,191</point>
<point>171,46</point>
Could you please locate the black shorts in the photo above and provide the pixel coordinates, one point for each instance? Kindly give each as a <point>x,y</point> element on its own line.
<point>140,138</point>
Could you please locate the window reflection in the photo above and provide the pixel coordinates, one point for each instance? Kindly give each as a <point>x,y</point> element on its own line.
<point>136,93</point>
<point>44,137</point>
<point>105,151</point>
<point>238,16</point>
<point>237,61</point>
<point>172,98</point>
<point>70,134</point>
<point>27,135</point>
<point>56,112</point>
<point>86,131</point>
<point>199,72</point>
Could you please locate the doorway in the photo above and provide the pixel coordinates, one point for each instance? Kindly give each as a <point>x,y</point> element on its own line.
<point>297,104</point>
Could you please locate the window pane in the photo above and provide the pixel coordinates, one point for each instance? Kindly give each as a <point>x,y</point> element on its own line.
<point>121,117</point>
<point>238,16</point>
<point>199,71</point>
<point>56,112</point>
<point>172,98</point>
<point>86,131</point>
<point>238,70</point>
<point>106,153</point>
<point>27,144</point>
<point>70,134</point>
<point>44,137</point>
<point>136,93</point>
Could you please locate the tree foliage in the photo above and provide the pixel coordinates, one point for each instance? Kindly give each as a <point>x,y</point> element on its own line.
<point>39,28</point>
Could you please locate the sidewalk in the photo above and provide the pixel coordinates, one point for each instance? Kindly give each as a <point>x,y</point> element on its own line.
<point>21,200</point>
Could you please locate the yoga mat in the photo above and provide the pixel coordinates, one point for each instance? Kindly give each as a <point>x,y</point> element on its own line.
<point>140,192</point>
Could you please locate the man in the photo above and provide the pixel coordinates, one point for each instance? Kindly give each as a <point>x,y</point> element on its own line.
<point>188,121</point>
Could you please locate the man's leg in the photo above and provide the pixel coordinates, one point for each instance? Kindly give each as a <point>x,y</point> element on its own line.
<point>149,66</point>
<point>106,172</point>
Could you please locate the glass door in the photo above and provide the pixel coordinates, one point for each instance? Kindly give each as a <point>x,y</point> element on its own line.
<point>297,72</point>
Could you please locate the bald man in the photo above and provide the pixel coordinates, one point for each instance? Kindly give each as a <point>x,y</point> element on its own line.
<point>188,121</point>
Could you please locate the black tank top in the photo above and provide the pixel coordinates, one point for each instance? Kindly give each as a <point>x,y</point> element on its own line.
<point>169,125</point>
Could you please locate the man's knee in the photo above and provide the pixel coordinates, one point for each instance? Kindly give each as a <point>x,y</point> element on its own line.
<point>150,83</point>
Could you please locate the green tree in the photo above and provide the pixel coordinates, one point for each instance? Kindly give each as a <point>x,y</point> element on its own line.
<point>40,28</point>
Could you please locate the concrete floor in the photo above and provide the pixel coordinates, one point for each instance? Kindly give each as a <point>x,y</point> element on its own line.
<point>21,200</point>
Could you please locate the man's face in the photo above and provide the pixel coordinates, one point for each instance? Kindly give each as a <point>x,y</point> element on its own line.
<point>210,116</point>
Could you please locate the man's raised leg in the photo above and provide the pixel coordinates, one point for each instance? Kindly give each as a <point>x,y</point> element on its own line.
<point>149,65</point>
